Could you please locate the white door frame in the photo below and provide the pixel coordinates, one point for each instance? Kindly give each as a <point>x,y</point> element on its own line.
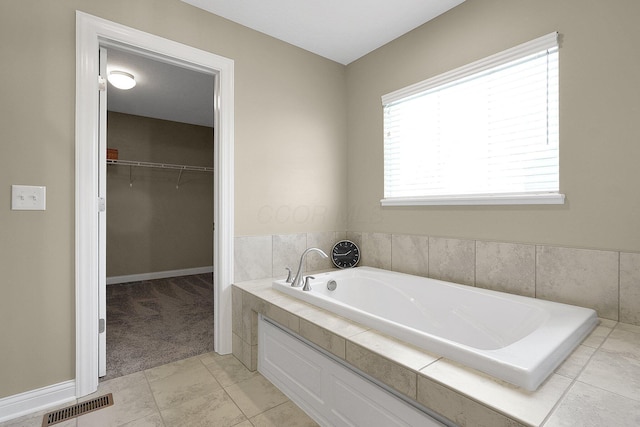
<point>91,33</point>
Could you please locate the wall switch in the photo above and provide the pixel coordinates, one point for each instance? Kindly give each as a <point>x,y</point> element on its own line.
<point>28,198</point>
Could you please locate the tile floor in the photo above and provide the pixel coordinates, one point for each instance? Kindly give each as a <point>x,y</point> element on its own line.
<point>205,390</point>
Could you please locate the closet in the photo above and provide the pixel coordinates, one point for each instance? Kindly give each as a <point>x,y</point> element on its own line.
<point>159,239</point>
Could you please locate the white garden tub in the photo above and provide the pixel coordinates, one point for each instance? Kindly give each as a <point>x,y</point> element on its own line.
<point>517,339</point>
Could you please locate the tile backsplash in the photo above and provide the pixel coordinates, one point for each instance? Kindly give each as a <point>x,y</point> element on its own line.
<point>607,281</point>
<point>259,257</point>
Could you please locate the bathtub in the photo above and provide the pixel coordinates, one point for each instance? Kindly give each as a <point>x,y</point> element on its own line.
<point>517,339</point>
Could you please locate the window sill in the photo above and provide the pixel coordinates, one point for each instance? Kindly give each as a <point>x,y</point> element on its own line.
<point>509,199</point>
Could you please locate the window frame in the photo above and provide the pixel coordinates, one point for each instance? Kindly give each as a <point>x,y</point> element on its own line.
<point>549,41</point>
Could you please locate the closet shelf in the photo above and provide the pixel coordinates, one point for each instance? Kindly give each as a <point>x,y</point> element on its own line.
<point>181,168</point>
<point>159,165</point>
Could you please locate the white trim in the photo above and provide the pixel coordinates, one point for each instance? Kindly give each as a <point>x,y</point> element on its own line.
<point>113,280</point>
<point>92,32</point>
<point>39,399</point>
<point>509,199</point>
<point>548,41</point>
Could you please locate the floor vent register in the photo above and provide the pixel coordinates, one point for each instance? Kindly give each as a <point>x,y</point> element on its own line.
<point>76,410</point>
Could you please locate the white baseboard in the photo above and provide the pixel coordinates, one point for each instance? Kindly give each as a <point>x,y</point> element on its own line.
<point>158,275</point>
<point>37,400</point>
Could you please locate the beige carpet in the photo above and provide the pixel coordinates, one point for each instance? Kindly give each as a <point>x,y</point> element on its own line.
<point>154,322</point>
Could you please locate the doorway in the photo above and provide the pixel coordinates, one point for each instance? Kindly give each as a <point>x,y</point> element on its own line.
<point>91,34</point>
<point>159,214</point>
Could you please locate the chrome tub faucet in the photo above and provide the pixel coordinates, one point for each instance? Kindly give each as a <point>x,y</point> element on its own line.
<point>299,277</point>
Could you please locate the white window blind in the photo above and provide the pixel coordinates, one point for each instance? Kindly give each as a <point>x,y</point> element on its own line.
<point>487,132</point>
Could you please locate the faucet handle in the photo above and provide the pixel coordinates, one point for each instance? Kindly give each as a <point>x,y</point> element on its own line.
<point>288,279</point>
<point>307,285</point>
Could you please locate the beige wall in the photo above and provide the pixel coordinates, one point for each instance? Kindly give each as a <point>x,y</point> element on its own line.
<point>291,152</point>
<point>290,146</point>
<point>152,225</point>
<point>599,121</point>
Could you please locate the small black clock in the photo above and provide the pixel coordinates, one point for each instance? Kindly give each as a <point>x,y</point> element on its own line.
<point>345,254</point>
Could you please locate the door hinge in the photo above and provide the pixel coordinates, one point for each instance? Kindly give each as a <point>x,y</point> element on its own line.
<point>101,326</point>
<point>102,84</point>
<point>102,206</point>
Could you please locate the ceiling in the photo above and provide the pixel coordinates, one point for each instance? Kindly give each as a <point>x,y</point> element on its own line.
<point>340,30</point>
<point>163,91</point>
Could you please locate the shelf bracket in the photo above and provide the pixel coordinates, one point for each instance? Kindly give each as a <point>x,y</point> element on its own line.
<point>130,176</point>
<point>179,176</point>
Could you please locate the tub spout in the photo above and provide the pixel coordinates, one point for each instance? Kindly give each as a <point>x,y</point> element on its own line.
<point>298,279</point>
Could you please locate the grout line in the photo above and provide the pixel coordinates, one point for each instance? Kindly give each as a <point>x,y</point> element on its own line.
<point>619,271</point>
<point>574,380</point>
<point>535,271</point>
<point>153,396</point>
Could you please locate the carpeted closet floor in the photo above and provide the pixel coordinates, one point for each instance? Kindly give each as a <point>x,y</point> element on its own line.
<point>154,322</point>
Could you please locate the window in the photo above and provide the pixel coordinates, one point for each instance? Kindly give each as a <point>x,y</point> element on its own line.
<point>485,133</point>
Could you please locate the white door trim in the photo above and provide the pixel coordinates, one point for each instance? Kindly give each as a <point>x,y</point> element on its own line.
<point>91,33</point>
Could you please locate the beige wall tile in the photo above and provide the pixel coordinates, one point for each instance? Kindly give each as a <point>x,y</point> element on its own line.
<point>630,288</point>
<point>463,411</point>
<point>506,267</point>
<point>389,372</point>
<point>323,338</point>
<point>392,349</point>
<point>375,250</point>
<point>283,317</point>
<point>453,260</point>
<point>236,310</point>
<point>287,249</point>
<point>355,237</point>
<point>253,257</point>
<point>236,346</point>
<point>324,241</point>
<point>338,325</point>
<point>410,254</point>
<point>528,407</point>
<point>582,277</point>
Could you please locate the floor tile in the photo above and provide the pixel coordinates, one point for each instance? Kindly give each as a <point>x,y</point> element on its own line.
<point>35,419</point>
<point>153,420</point>
<point>215,409</point>
<point>227,370</point>
<point>589,406</point>
<point>180,382</point>
<point>285,415</point>
<point>624,342</point>
<point>255,395</point>
<point>132,400</point>
<point>597,336</point>
<point>573,365</point>
<point>613,372</point>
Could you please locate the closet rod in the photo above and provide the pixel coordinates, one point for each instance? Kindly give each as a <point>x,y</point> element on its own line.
<point>159,165</point>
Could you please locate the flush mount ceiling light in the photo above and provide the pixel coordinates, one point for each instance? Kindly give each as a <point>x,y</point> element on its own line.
<point>122,80</point>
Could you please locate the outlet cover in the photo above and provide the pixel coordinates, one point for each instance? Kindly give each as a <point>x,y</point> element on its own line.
<point>28,198</point>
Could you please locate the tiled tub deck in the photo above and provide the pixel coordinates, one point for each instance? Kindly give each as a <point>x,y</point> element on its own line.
<point>598,385</point>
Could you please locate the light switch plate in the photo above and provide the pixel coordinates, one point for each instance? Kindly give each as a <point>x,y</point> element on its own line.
<point>28,198</point>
